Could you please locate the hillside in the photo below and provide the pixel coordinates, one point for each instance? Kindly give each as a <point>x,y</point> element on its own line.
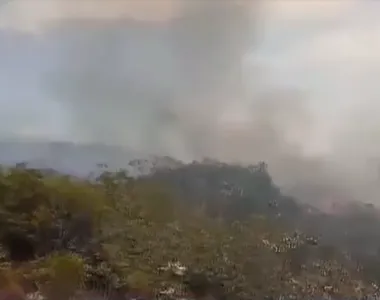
<point>199,230</point>
<point>237,192</point>
<point>121,237</point>
<point>225,187</point>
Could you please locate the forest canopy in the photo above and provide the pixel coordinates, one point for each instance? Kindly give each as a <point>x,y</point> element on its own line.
<point>199,230</point>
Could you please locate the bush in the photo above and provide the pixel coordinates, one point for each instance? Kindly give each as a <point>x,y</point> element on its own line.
<point>113,234</point>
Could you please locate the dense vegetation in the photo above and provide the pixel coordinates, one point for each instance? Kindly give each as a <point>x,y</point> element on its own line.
<point>204,231</point>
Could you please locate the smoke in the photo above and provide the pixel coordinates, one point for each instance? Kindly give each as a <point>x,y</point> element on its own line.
<point>180,87</point>
<point>151,84</point>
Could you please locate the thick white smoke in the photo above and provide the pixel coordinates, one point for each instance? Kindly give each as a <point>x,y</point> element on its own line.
<point>179,87</point>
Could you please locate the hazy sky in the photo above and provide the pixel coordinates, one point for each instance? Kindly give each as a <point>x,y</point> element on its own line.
<point>330,49</point>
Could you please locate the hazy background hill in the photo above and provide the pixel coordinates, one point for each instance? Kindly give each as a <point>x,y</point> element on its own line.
<point>65,157</point>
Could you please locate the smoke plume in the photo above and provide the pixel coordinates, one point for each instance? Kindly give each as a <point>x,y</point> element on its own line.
<point>180,87</point>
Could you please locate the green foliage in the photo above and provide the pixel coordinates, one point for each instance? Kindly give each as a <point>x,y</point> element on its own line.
<point>66,275</point>
<point>116,232</point>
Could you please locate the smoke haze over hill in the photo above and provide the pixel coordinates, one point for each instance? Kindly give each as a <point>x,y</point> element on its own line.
<point>178,82</point>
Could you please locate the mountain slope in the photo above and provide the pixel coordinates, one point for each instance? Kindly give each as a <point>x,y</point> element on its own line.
<point>231,191</point>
